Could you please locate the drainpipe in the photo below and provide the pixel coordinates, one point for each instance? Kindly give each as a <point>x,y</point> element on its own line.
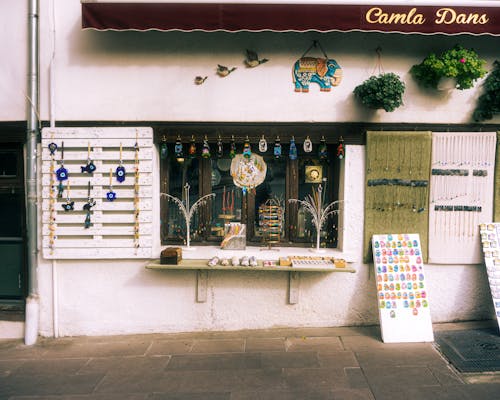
<point>32,301</point>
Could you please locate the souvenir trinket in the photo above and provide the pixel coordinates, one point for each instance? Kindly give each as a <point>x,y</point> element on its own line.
<point>62,173</point>
<point>323,150</point>
<point>247,151</point>
<point>52,148</point>
<point>232,148</point>
<point>223,71</point>
<point>293,149</point>
<point>110,195</point>
<point>252,59</point>
<point>307,146</point>
<point>262,144</point>
<point>69,205</point>
<point>87,207</point>
<point>277,148</point>
<point>205,150</point>
<point>163,148</point>
<point>341,149</point>
<point>192,148</point>
<point>90,167</point>
<point>120,170</point>
<point>220,148</point>
<point>136,192</point>
<point>199,80</point>
<point>179,149</point>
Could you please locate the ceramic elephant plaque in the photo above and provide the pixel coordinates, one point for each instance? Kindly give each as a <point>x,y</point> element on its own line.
<point>325,72</point>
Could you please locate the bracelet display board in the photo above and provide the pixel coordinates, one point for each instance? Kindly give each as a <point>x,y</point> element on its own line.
<point>402,295</point>
<point>490,242</point>
<point>97,192</point>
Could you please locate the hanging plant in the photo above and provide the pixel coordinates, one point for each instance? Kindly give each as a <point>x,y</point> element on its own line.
<point>489,101</point>
<point>384,91</point>
<point>463,65</point>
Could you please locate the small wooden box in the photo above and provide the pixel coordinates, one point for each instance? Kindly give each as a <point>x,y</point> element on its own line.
<point>171,255</point>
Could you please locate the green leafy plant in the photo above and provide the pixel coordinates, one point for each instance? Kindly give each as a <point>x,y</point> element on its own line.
<point>384,91</point>
<point>459,63</point>
<point>489,101</point>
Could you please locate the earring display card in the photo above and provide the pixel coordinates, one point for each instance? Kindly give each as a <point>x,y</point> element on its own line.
<point>402,294</point>
<point>490,242</point>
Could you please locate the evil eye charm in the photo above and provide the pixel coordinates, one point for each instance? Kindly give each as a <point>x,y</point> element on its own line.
<point>89,168</point>
<point>52,148</point>
<point>120,173</point>
<point>110,195</point>
<point>62,174</point>
<point>68,206</point>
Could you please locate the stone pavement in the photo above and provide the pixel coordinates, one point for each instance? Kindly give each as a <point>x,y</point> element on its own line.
<point>279,364</point>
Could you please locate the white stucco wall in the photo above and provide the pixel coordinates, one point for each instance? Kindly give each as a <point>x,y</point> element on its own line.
<point>131,76</point>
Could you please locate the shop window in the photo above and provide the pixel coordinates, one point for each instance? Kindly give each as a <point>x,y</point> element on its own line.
<point>285,179</point>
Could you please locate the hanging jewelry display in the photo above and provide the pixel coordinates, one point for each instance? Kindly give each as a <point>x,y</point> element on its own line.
<point>192,148</point>
<point>87,207</point>
<point>90,167</point>
<point>220,148</point>
<point>205,149</point>
<point>52,195</point>
<point>271,221</point>
<point>179,149</point>
<point>247,151</point>
<point>232,148</point>
<point>69,205</point>
<point>293,149</point>
<point>136,193</point>
<point>314,203</point>
<point>120,170</point>
<point>307,146</point>
<point>323,150</point>
<point>277,148</point>
<point>187,210</point>
<point>61,173</point>
<point>340,149</point>
<point>262,144</point>
<point>110,195</point>
<point>163,148</point>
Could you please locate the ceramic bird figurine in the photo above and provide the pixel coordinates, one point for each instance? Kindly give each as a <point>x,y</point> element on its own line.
<point>224,71</point>
<point>199,80</point>
<point>252,59</point>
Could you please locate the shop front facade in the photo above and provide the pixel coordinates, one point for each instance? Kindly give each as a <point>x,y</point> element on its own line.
<point>156,101</point>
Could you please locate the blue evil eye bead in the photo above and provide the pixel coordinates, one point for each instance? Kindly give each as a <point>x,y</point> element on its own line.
<point>68,206</point>
<point>62,174</point>
<point>91,167</point>
<point>120,173</point>
<point>111,196</point>
<point>52,148</point>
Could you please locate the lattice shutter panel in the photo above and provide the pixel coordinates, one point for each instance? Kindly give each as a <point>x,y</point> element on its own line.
<point>119,229</point>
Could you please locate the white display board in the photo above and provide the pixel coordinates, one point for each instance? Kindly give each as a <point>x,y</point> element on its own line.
<point>490,242</point>
<point>118,228</point>
<point>402,295</point>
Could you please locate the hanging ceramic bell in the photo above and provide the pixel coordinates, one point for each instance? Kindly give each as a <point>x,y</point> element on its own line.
<point>247,151</point>
<point>262,144</point>
<point>179,149</point>
<point>308,146</point>
<point>340,149</point>
<point>120,170</point>
<point>205,149</point>
<point>163,148</point>
<point>192,148</point>
<point>232,148</point>
<point>220,148</point>
<point>323,150</point>
<point>293,149</point>
<point>277,148</point>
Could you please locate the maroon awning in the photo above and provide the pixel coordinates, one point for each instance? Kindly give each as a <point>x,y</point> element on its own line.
<point>258,16</point>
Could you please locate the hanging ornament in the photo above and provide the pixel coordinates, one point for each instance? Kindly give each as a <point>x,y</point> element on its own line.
<point>262,144</point>
<point>341,149</point>
<point>277,148</point>
<point>293,149</point>
<point>322,149</point>
<point>163,148</point>
<point>232,148</point>
<point>62,173</point>
<point>87,207</point>
<point>308,146</point>
<point>69,205</point>
<point>247,151</point>
<point>120,170</point>
<point>205,150</point>
<point>110,195</point>
<point>192,148</point>
<point>90,167</point>
<point>179,149</point>
<point>52,148</point>
<point>220,148</point>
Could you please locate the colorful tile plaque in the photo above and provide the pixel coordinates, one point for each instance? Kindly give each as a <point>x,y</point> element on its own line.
<point>490,242</point>
<point>402,293</point>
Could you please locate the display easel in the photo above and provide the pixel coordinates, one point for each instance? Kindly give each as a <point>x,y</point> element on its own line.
<point>271,222</point>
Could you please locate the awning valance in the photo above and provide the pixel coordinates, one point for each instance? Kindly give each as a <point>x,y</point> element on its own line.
<point>280,16</point>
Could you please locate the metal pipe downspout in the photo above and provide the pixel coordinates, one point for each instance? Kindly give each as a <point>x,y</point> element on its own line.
<point>32,306</point>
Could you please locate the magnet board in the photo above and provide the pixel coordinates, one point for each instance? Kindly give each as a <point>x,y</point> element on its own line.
<point>402,295</point>
<point>490,242</point>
